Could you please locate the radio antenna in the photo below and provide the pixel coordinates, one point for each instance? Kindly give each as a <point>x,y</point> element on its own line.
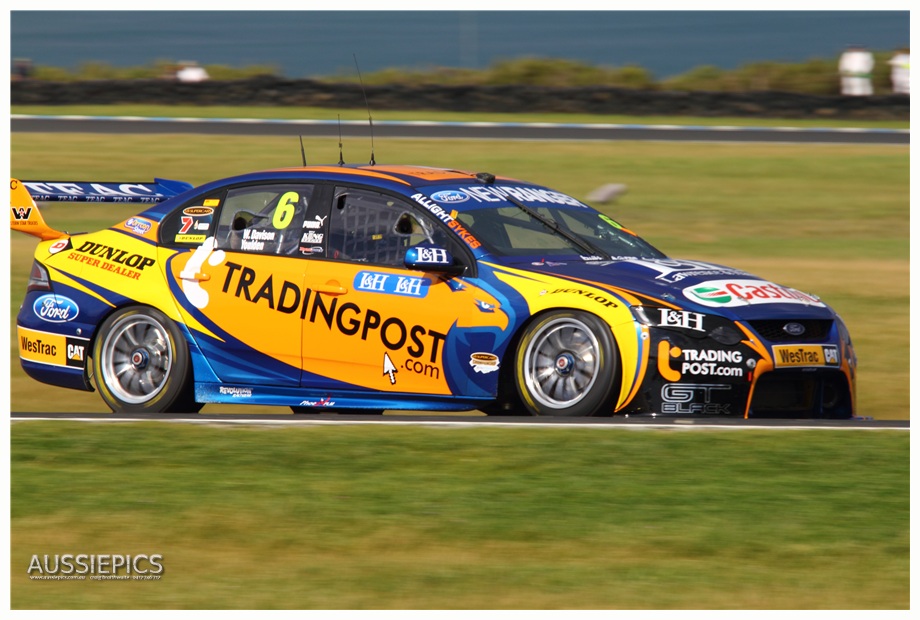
<point>367,105</point>
<point>303,154</point>
<point>341,159</point>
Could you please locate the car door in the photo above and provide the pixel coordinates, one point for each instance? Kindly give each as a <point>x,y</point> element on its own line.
<point>371,323</point>
<point>245,284</point>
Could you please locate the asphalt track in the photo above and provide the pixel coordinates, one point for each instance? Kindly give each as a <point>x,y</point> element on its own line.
<point>450,130</point>
<point>621,422</point>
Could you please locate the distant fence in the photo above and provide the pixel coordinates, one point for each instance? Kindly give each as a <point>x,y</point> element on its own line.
<point>269,91</point>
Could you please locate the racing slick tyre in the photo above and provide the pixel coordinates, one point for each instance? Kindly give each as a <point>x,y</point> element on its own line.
<point>566,365</point>
<point>141,363</point>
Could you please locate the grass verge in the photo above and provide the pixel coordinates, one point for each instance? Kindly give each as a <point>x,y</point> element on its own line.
<point>398,518</point>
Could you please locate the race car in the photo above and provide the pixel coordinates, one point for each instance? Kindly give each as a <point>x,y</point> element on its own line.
<point>364,288</point>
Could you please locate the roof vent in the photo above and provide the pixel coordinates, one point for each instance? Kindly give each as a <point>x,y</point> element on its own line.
<point>485,177</point>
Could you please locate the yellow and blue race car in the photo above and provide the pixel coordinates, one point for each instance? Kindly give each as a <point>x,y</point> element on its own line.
<point>360,288</point>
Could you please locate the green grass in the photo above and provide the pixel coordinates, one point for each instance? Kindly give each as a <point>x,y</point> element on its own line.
<point>360,114</point>
<point>827,219</point>
<point>399,518</point>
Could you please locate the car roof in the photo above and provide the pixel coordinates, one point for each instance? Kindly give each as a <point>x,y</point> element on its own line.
<point>415,176</point>
<point>400,178</point>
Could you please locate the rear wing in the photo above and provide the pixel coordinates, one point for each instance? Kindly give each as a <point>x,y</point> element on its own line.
<point>57,191</point>
<point>25,216</point>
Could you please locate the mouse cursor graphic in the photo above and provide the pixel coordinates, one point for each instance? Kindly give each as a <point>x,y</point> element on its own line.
<point>389,368</point>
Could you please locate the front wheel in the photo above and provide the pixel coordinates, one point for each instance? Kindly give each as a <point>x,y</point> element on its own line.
<point>141,363</point>
<point>566,365</point>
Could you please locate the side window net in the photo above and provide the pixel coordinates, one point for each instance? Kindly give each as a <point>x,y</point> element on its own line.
<point>374,228</point>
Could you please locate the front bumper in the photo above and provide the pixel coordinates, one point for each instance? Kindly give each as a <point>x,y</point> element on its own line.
<point>693,375</point>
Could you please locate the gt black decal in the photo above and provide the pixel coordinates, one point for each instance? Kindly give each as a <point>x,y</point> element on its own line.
<point>695,398</point>
<point>347,318</point>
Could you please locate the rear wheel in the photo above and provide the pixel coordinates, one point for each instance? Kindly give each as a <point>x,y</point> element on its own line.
<point>566,365</point>
<point>141,363</point>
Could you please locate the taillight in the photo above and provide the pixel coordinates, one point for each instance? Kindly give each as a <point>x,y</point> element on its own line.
<point>38,279</point>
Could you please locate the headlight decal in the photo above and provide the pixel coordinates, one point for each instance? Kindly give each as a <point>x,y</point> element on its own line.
<point>764,364</point>
<point>627,394</point>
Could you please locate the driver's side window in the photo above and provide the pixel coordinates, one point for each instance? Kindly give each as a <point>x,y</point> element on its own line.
<point>371,227</point>
<point>264,219</point>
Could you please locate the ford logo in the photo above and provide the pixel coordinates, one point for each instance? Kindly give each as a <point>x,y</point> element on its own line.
<point>450,195</point>
<point>55,308</point>
<point>794,329</point>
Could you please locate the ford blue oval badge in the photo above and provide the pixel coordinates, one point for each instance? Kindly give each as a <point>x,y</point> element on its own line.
<point>794,329</point>
<point>450,196</point>
<point>55,308</point>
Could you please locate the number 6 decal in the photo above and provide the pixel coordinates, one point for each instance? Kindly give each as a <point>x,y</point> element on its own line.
<point>284,212</point>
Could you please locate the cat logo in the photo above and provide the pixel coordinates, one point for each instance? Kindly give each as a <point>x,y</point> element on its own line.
<point>76,352</point>
<point>21,213</point>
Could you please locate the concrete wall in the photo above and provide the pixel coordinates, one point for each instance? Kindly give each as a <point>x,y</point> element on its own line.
<point>282,92</point>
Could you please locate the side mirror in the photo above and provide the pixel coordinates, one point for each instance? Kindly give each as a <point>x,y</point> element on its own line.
<point>433,260</point>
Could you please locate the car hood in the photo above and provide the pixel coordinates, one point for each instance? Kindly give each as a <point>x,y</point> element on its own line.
<point>692,285</point>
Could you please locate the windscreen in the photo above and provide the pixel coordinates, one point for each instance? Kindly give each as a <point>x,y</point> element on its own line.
<point>494,215</point>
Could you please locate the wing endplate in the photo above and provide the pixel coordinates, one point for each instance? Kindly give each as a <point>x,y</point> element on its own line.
<point>25,216</point>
